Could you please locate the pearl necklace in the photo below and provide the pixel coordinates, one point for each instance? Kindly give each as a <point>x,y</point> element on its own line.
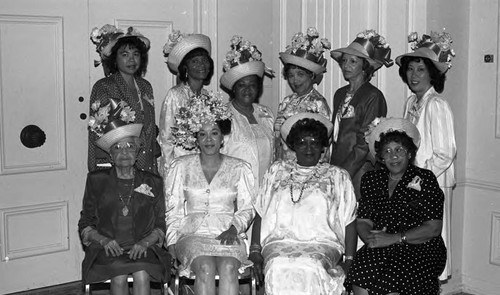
<point>301,189</point>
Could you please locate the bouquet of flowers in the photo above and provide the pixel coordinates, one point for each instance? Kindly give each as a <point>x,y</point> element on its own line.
<point>198,110</point>
<point>310,43</point>
<point>376,39</point>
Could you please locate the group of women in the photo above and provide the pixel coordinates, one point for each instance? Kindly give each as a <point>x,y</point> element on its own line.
<point>299,186</point>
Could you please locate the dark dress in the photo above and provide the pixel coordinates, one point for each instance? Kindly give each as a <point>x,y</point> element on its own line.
<point>102,210</point>
<point>351,151</point>
<point>402,268</point>
<point>115,87</point>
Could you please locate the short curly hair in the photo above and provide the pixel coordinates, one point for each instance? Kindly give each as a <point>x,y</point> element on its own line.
<point>307,127</point>
<point>396,136</point>
<point>437,78</point>
<point>182,71</point>
<point>132,43</point>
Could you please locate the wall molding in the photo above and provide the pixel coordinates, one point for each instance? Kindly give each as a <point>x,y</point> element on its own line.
<point>495,239</point>
<point>497,129</point>
<point>33,230</point>
<point>480,184</point>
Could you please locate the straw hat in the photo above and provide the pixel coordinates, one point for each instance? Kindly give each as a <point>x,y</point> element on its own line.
<point>368,45</point>
<point>288,124</point>
<point>118,130</point>
<point>306,51</point>
<point>106,38</point>
<point>436,47</point>
<point>178,45</point>
<point>244,59</point>
<point>384,125</point>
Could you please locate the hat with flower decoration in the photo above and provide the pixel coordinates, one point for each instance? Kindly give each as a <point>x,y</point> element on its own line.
<point>369,45</point>
<point>290,122</point>
<point>436,47</point>
<point>112,122</point>
<point>244,59</point>
<point>306,51</point>
<point>383,125</point>
<point>179,44</point>
<point>106,37</point>
<point>199,110</point>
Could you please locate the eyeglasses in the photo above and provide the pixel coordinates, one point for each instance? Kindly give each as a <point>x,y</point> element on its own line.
<point>302,144</point>
<point>125,146</point>
<point>389,153</point>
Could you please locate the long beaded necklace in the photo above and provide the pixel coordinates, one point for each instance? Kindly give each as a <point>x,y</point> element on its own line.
<point>301,189</point>
<point>125,209</point>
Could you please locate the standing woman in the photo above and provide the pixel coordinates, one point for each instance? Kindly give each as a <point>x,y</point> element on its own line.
<point>188,57</point>
<point>208,200</point>
<point>251,137</point>
<point>424,71</point>
<point>304,66</point>
<point>124,57</point>
<point>358,103</point>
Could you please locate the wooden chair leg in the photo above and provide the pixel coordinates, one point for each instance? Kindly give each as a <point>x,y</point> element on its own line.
<point>253,290</point>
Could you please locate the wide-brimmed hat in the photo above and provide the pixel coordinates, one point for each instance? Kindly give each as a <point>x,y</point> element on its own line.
<point>383,125</point>
<point>368,45</point>
<point>118,130</point>
<point>288,124</point>
<point>106,38</point>
<point>436,48</point>
<point>244,59</point>
<point>306,51</point>
<point>178,45</point>
<point>112,122</point>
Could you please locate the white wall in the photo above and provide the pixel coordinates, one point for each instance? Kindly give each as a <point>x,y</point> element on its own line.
<point>481,167</point>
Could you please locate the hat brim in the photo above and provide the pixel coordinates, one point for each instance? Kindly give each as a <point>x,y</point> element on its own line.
<point>337,56</point>
<point>288,124</point>
<point>111,137</point>
<point>392,124</point>
<point>287,58</point>
<point>106,52</point>
<point>425,53</point>
<point>184,46</point>
<point>240,71</point>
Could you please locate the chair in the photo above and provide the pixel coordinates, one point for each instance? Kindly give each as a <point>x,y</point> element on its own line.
<point>247,277</point>
<point>130,279</point>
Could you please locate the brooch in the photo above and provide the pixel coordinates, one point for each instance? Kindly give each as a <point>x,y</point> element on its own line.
<point>145,190</point>
<point>415,183</point>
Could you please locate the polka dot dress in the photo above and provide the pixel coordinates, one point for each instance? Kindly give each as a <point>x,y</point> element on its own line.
<point>403,268</point>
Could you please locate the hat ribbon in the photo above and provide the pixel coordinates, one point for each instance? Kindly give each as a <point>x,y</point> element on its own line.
<point>383,55</point>
<point>311,57</point>
<point>432,46</point>
<point>366,44</point>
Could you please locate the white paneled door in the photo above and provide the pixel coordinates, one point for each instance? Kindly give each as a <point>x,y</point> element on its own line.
<point>43,91</point>
<point>46,73</point>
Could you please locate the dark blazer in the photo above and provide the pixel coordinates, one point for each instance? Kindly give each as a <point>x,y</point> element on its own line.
<point>99,211</point>
<point>114,86</point>
<point>351,150</point>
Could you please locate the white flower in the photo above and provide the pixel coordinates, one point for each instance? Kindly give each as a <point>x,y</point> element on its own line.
<point>144,189</point>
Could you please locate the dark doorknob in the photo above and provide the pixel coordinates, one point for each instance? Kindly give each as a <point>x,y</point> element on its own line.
<point>32,136</point>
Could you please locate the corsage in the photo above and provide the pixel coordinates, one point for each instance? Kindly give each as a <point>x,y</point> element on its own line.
<point>415,183</point>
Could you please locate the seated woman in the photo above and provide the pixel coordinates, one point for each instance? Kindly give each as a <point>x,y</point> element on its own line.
<point>122,221</point>
<point>305,208</point>
<point>208,197</point>
<point>399,218</point>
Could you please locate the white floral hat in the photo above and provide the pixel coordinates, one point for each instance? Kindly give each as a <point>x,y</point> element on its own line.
<point>198,111</point>
<point>179,44</point>
<point>107,36</point>
<point>244,59</point>
<point>369,45</point>
<point>306,51</point>
<point>288,124</point>
<point>383,125</point>
<point>436,47</point>
<point>112,123</point>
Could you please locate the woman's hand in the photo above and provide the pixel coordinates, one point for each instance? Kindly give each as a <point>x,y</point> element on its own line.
<point>258,266</point>
<point>171,251</point>
<point>111,247</point>
<point>380,238</point>
<point>229,237</point>
<point>138,250</point>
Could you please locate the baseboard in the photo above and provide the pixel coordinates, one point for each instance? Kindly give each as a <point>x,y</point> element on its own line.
<point>71,288</point>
